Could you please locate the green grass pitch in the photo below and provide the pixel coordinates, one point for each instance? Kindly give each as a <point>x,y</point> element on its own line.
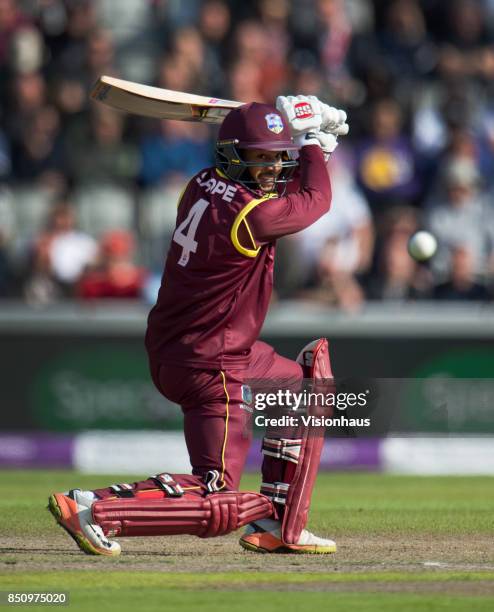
<point>405,543</point>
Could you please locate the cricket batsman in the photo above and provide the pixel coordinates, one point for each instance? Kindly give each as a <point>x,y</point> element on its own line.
<point>202,342</point>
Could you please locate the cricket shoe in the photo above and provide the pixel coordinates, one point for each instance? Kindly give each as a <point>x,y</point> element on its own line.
<point>264,536</point>
<point>72,511</point>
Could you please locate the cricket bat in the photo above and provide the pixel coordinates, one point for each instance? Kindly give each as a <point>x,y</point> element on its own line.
<point>160,103</point>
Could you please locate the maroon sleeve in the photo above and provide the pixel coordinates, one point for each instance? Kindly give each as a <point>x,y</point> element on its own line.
<point>278,217</point>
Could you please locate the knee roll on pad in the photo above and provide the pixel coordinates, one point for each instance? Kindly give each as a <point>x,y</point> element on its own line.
<point>206,517</point>
<point>314,359</point>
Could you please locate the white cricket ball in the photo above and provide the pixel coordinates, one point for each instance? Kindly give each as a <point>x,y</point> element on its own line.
<point>422,246</point>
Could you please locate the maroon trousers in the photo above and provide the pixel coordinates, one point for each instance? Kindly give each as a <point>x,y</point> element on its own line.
<point>217,422</point>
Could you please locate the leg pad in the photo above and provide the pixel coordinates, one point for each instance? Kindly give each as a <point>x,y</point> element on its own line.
<point>314,358</point>
<point>206,517</point>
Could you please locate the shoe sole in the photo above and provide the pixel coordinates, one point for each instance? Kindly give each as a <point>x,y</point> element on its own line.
<point>82,542</point>
<point>290,549</point>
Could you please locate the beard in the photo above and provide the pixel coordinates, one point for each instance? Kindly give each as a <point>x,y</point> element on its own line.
<point>267,180</point>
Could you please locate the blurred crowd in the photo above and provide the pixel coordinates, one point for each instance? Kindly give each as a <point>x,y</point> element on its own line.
<point>88,196</point>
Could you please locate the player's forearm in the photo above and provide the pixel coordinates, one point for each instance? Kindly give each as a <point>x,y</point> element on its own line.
<point>296,211</point>
<point>313,171</point>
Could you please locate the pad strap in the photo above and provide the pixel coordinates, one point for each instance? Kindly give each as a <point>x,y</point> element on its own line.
<point>281,448</point>
<point>124,489</point>
<point>169,485</point>
<point>164,481</point>
<point>213,481</point>
<point>205,517</point>
<point>277,492</point>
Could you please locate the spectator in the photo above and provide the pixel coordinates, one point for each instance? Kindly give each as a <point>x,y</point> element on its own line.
<point>467,50</point>
<point>443,111</point>
<point>328,258</point>
<point>100,55</point>
<point>28,96</point>
<point>69,45</point>
<point>334,41</point>
<point>396,276</point>
<point>60,255</point>
<point>397,279</point>
<point>137,32</point>
<point>348,229</point>
<point>175,73</point>
<point>69,96</point>
<point>405,46</point>
<point>189,49</point>
<point>27,51</point>
<point>40,156</point>
<point>461,215</point>
<point>116,276</point>
<point>244,78</point>
<point>461,284</point>
<point>12,20</point>
<point>273,16</point>
<point>103,153</point>
<point>174,151</point>
<point>386,165</point>
<point>252,48</point>
<point>337,286</point>
<point>214,26</point>
<point>307,77</point>
<point>127,21</point>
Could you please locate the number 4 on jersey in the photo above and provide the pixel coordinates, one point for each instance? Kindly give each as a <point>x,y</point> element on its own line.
<point>186,240</point>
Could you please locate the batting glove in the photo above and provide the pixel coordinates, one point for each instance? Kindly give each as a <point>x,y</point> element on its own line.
<point>303,115</point>
<point>333,120</point>
<point>328,143</point>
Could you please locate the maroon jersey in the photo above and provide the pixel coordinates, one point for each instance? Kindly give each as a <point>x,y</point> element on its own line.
<point>218,277</point>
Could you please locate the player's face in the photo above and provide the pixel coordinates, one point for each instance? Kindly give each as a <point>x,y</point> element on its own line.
<point>265,176</point>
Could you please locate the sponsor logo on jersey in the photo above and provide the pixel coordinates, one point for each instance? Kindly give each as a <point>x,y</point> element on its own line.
<point>274,123</point>
<point>246,398</point>
<point>303,110</point>
<point>246,394</point>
